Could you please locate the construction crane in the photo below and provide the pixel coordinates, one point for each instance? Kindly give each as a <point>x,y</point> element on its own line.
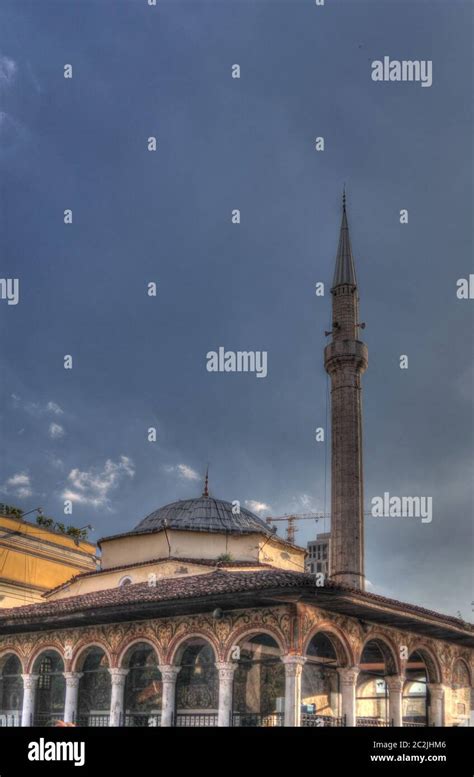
<point>291,519</point>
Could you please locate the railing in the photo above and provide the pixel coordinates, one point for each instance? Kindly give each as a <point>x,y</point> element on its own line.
<point>311,719</point>
<point>46,718</point>
<point>92,720</point>
<point>372,722</point>
<point>10,720</point>
<point>195,719</point>
<point>141,720</point>
<point>257,719</point>
<point>420,723</point>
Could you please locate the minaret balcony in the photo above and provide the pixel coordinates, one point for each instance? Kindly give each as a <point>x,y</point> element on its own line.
<point>346,354</point>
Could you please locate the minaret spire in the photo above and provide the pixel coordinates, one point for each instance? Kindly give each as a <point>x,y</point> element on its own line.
<point>345,269</point>
<point>345,359</point>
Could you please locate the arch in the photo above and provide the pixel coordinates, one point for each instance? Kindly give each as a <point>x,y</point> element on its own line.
<point>54,646</point>
<point>388,649</point>
<point>13,651</point>
<point>461,692</point>
<point>461,660</point>
<point>246,632</point>
<point>143,691</point>
<point>338,639</point>
<point>325,651</point>
<point>176,644</point>
<point>50,695</point>
<point>95,686</point>
<point>197,683</point>
<point>34,665</point>
<point>11,688</point>
<point>378,659</point>
<point>125,580</point>
<point>420,670</point>
<point>432,665</point>
<point>259,681</point>
<point>136,640</point>
<point>82,648</point>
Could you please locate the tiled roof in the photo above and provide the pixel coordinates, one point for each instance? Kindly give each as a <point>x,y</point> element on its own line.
<point>209,585</point>
<point>197,561</point>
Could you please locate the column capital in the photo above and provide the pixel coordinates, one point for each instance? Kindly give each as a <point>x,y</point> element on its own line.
<point>226,669</point>
<point>293,664</point>
<point>118,675</point>
<point>395,682</point>
<point>72,678</point>
<point>29,681</point>
<point>348,674</point>
<point>436,690</point>
<point>169,672</point>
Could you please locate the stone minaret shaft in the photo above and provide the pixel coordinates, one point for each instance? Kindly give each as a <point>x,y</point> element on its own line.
<point>345,359</point>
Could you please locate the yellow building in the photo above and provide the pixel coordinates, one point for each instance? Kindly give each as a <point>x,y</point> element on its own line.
<point>35,559</point>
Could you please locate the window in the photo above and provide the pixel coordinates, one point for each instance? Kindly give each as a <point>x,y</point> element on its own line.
<point>125,581</point>
<point>45,673</point>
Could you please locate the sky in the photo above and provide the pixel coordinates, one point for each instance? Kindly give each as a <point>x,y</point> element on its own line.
<point>165,216</point>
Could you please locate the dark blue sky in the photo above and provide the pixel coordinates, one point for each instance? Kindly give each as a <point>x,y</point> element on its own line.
<point>138,216</point>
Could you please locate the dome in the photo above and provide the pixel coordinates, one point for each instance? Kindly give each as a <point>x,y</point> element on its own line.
<point>204,514</point>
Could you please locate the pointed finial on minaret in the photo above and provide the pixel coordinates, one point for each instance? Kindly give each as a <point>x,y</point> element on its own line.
<point>344,273</point>
<point>206,483</point>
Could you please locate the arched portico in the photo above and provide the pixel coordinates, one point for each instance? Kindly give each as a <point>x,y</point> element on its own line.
<point>423,695</point>
<point>377,697</point>
<point>143,685</point>
<point>49,699</point>
<point>460,702</point>
<point>259,681</point>
<point>321,704</point>
<point>94,687</point>
<point>11,690</point>
<point>197,683</point>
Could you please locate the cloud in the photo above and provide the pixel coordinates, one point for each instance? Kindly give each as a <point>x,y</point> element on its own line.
<point>56,431</point>
<point>257,507</point>
<point>18,485</point>
<point>185,472</point>
<point>8,69</point>
<point>56,462</point>
<point>94,486</point>
<point>52,407</point>
<point>36,409</point>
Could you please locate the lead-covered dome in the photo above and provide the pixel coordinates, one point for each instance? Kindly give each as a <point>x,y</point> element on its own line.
<point>204,514</point>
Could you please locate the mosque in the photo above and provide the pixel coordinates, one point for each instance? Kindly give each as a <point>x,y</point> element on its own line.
<point>201,615</point>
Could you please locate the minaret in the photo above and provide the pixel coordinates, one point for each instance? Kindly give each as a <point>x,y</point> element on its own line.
<point>345,359</point>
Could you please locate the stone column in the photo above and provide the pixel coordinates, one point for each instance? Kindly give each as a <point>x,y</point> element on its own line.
<point>72,692</point>
<point>395,702</point>
<point>29,694</point>
<point>226,671</point>
<point>436,708</point>
<point>169,673</point>
<point>348,681</point>
<point>116,698</point>
<point>293,672</point>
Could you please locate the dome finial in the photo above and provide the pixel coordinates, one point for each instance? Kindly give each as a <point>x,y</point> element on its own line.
<point>206,483</point>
